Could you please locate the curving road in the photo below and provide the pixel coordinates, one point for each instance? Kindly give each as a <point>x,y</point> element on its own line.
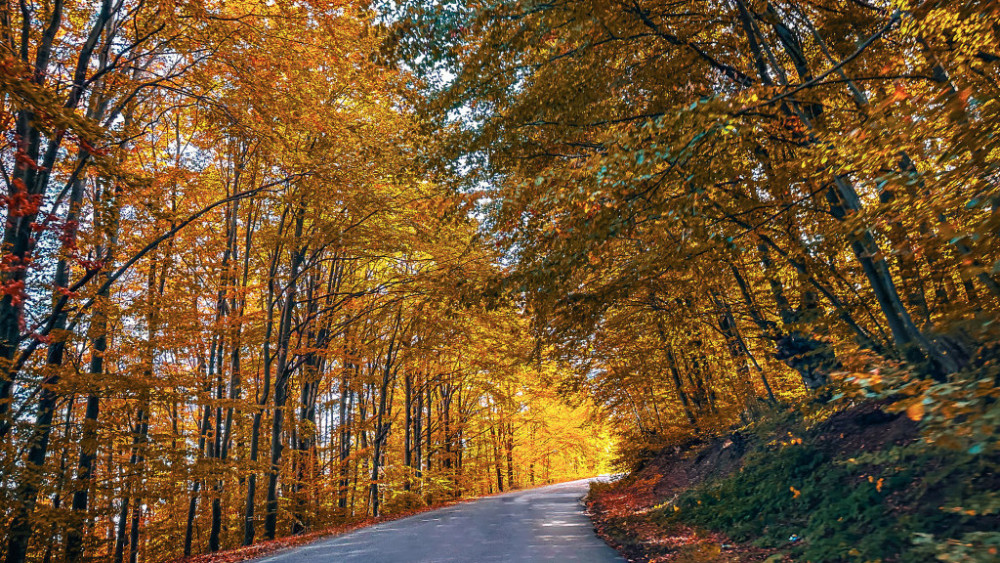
<point>544,524</point>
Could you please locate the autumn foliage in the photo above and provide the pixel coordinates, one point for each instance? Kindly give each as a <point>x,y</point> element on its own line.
<point>714,207</point>
<point>274,266</point>
<point>716,210</point>
<point>234,306</point>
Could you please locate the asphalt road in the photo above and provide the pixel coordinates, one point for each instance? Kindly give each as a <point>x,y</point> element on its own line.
<point>544,524</point>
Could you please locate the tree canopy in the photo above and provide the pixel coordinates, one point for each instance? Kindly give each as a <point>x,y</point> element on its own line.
<point>272,266</point>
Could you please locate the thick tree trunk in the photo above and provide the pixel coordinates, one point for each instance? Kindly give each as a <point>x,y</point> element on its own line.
<point>27,492</point>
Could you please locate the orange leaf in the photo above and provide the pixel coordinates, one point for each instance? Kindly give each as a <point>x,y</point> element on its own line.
<point>915,411</point>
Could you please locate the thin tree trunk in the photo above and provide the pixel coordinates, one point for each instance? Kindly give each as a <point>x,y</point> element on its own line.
<point>88,439</point>
<point>408,428</point>
<point>282,376</point>
<point>381,427</point>
<point>248,514</point>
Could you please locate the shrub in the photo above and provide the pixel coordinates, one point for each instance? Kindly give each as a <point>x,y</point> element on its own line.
<point>403,501</point>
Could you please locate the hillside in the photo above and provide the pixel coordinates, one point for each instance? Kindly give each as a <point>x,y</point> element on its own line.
<point>856,484</point>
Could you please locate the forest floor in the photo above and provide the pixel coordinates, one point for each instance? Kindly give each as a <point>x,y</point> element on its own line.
<point>624,512</point>
<point>855,484</point>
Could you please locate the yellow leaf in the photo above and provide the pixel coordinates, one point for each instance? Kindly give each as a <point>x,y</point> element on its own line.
<point>915,411</point>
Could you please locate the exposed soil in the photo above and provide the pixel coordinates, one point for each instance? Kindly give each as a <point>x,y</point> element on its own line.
<point>864,428</point>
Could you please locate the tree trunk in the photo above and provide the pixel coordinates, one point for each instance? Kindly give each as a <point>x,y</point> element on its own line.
<point>249,530</point>
<point>282,376</point>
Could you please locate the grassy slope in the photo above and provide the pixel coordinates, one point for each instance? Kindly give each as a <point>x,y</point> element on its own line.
<point>856,486</point>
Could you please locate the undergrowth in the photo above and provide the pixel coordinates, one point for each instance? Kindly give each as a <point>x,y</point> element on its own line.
<point>905,503</point>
